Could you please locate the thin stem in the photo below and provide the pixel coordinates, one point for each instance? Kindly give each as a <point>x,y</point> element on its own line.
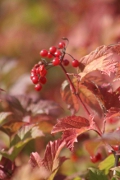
<point>74,90</point>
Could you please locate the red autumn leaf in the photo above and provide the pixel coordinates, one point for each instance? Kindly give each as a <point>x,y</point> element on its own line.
<point>110,98</point>
<point>51,161</point>
<point>97,77</point>
<point>113,113</point>
<point>90,99</point>
<point>70,98</point>
<point>71,126</point>
<point>70,136</point>
<point>104,58</point>
<point>35,160</point>
<point>70,122</point>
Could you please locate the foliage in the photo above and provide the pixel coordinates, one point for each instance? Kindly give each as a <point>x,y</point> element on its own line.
<point>71,134</point>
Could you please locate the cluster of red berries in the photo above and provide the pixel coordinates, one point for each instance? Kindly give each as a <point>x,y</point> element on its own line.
<point>38,75</point>
<point>57,54</point>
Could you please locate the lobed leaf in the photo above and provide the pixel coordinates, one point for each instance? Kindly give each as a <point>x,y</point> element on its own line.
<point>104,58</point>
<point>51,162</point>
<point>72,126</point>
<point>70,122</point>
<point>35,160</point>
<point>20,139</point>
<point>96,174</point>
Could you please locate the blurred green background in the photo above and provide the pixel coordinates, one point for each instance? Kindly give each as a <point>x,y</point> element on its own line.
<point>27,26</point>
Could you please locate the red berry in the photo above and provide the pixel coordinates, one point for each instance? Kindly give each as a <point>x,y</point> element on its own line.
<point>93,159</point>
<point>43,80</point>
<point>65,62</point>
<point>57,53</point>
<point>75,63</point>
<point>37,70</point>
<point>43,72</point>
<point>44,53</point>
<point>96,158</point>
<point>52,49</point>
<point>41,67</point>
<point>33,70</point>
<point>56,61</point>
<point>115,147</point>
<point>49,55</point>
<point>61,45</point>
<point>35,79</point>
<point>38,87</point>
<point>32,75</point>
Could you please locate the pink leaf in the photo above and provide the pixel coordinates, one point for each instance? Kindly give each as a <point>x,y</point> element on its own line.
<point>51,160</point>
<point>35,159</point>
<point>104,58</point>
<point>70,122</point>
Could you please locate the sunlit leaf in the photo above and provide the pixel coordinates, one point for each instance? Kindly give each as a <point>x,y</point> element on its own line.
<point>107,163</point>
<point>35,160</point>
<point>104,58</point>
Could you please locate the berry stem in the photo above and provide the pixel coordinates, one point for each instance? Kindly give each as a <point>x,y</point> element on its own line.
<point>73,89</point>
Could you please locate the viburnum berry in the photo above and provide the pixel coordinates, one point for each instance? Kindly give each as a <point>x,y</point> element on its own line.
<point>96,158</point>
<point>57,53</point>
<point>35,79</point>
<point>56,61</point>
<point>115,147</point>
<point>49,55</point>
<point>41,67</point>
<point>61,45</point>
<point>38,87</point>
<point>33,74</point>
<point>43,80</point>
<point>44,53</point>
<point>52,49</point>
<point>43,72</point>
<point>65,62</point>
<point>37,70</point>
<point>75,63</point>
<point>33,70</point>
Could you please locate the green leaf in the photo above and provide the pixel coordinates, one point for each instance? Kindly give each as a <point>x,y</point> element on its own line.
<point>96,174</point>
<point>3,116</point>
<point>107,164</point>
<point>117,172</point>
<point>21,138</point>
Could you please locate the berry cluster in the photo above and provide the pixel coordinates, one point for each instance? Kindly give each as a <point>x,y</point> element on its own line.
<point>38,75</point>
<point>57,54</point>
